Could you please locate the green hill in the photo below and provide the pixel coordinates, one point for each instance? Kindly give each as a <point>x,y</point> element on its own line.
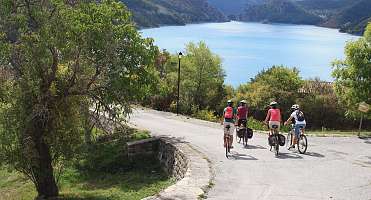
<point>352,19</point>
<point>152,13</point>
<point>279,11</point>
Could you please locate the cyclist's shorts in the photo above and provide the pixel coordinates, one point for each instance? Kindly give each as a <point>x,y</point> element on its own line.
<point>298,127</point>
<point>231,128</point>
<point>271,123</point>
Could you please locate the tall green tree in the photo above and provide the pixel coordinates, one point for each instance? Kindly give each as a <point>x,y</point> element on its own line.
<point>201,80</point>
<point>203,77</point>
<point>353,74</point>
<point>278,83</point>
<point>63,56</point>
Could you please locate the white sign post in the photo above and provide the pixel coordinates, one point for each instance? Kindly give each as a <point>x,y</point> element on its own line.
<point>364,108</point>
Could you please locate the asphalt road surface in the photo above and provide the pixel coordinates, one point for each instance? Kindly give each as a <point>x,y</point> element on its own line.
<point>333,167</point>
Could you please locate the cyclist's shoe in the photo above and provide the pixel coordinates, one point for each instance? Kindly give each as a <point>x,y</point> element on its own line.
<point>291,147</point>
<point>231,147</point>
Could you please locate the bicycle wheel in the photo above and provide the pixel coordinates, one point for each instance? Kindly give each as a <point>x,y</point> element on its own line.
<point>302,143</point>
<point>226,145</point>
<point>276,144</point>
<point>245,139</point>
<point>288,139</point>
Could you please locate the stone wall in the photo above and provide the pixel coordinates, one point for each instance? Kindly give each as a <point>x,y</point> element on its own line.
<point>173,161</point>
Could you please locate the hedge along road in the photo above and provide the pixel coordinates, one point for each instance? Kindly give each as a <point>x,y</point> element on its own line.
<point>332,168</point>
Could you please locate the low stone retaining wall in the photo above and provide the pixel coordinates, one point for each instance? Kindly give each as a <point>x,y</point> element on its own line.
<point>180,160</point>
<point>173,161</point>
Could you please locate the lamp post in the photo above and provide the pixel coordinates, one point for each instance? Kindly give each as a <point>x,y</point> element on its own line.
<point>177,102</point>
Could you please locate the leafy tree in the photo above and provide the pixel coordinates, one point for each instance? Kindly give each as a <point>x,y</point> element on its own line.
<point>201,81</point>
<point>277,83</point>
<point>353,75</point>
<point>204,80</point>
<point>64,57</point>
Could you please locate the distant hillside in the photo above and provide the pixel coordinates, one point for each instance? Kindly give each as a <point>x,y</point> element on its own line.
<point>279,11</point>
<point>349,16</point>
<point>152,13</point>
<point>229,7</point>
<point>352,19</point>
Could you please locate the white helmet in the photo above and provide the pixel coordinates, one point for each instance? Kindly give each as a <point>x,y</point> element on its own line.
<point>295,107</point>
<point>273,103</point>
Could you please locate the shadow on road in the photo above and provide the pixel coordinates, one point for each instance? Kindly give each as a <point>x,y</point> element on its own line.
<point>313,154</point>
<point>289,156</point>
<point>254,147</point>
<point>238,156</point>
<point>368,142</point>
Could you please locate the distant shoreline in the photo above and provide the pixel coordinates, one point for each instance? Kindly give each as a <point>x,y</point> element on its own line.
<point>269,23</point>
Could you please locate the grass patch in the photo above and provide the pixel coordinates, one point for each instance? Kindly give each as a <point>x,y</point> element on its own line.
<point>101,173</point>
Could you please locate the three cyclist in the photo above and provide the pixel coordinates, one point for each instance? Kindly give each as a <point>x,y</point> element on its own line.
<point>299,122</point>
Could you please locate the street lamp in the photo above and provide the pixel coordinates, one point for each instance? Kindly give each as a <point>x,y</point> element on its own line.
<point>177,102</point>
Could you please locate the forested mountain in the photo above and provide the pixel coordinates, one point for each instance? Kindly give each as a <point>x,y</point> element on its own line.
<point>151,13</point>
<point>279,11</point>
<point>347,15</point>
<point>352,19</point>
<point>229,8</point>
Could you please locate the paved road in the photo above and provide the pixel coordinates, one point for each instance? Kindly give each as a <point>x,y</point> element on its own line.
<point>333,168</point>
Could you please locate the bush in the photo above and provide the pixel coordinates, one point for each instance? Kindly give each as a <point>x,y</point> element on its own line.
<point>206,115</point>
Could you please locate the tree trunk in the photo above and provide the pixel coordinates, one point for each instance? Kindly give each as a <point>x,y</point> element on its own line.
<point>45,182</point>
<point>41,165</point>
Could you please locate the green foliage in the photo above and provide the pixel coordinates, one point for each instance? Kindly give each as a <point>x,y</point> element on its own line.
<point>63,58</point>
<point>206,115</point>
<point>353,75</point>
<point>277,83</point>
<point>104,174</point>
<point>201,81</point>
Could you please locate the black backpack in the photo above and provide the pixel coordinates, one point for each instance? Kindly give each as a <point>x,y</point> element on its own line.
<point>300,116</point>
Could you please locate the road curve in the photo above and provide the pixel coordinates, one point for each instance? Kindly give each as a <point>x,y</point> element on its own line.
<point>333,168</point>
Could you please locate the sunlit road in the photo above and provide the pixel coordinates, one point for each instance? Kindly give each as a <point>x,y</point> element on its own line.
<point>333,168</point>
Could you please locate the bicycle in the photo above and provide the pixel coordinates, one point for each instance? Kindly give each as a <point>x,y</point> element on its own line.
<point>276,140</point>
<point>301,142</point>
<point>227,140</point>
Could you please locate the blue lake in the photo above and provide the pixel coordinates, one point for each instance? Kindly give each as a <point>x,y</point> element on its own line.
<point>247,48</point>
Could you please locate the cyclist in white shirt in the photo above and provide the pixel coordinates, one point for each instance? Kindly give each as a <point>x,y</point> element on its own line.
<point>300,122</point>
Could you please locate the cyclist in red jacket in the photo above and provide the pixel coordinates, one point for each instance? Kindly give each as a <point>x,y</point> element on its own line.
<point>229,116</point>
<point>242,112</point>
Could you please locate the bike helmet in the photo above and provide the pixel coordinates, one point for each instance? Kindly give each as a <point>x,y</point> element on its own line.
<point>243,101</point>
<point>229,102</point>
<point>295,107</point>
<point>273,103</point>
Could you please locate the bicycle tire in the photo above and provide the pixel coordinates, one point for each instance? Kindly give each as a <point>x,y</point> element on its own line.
<point>245,139</point>
<point>277,146</point>
<point>226,141</point>
<point>288,139</point>
<point>302,144</point>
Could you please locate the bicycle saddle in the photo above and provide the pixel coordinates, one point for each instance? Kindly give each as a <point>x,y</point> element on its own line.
<point>228,126</point>
<point>274,126</point>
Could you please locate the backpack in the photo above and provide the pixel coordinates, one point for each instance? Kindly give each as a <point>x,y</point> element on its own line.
<point>228,114</point>
<point>300,116</point>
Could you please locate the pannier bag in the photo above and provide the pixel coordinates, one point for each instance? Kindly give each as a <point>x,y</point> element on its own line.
<point>271,140</point>
<point>282,140</point>
<point>241,132</point>
<point>249,133</point>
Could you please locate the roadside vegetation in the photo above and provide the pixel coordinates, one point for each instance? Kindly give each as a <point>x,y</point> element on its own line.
<point>101,172</point>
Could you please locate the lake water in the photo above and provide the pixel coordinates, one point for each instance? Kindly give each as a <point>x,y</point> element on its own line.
<point>247,48</point>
